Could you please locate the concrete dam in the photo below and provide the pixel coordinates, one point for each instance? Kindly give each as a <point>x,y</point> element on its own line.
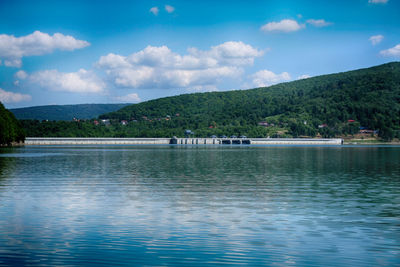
<point>180,141</point>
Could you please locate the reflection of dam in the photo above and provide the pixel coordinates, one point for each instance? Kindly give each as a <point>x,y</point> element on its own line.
<point>179,141</point>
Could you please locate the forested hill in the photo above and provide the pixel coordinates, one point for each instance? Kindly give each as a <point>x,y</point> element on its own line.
<point>65,112</point>
<point>10,129</point>
<point>329,105</point>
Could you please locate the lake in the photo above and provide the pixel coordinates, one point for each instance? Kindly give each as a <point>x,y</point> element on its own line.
<point>200,205</point>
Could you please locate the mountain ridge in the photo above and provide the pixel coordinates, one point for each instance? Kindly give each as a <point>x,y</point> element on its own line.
<point>65,112</point>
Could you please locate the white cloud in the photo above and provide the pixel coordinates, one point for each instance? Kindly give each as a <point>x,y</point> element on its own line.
<point>230,53</point>
<point>10,97</point>
<point>132,77</point>
<point>22,75</point>
<point>203,88</point>
<point>160,67</point>
<point>285,25</point>
<point>304,76</point>
<point>13,62</point>
<point>264,78</point>
<point>130,98</point>
<point>318,22</point>
<point>113,61</point>
<point>13,49</point>
<point>376,39</point>
<point>391,52</point>
<point>169,8</point>
<point>82,81</point>
<point>154,10</point>
<point>378,1</point>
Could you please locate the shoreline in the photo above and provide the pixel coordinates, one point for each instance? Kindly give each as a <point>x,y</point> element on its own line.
<point>181,141</point>
<point>192,141</point>
<point>369,142</point>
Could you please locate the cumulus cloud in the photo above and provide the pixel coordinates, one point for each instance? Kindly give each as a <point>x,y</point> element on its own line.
<point>391,52</point>
<point>318,22</point>
<point>160,67</point>
<point>376,39</point>
<point>378,1</point>
<point>130,98</point>
<point>304,76</point>
<point>169,8</point>
<point>13,49</point>
<point>203,88</point>
<point>229,53</point>
<point>154,10</point>
<point>266,78</point>
<point>285,25</point>
<point>82,81</point>
<point>10,97</point>
<point>22,75</point>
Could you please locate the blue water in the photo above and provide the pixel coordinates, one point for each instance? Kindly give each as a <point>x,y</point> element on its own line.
<point>200,205</point>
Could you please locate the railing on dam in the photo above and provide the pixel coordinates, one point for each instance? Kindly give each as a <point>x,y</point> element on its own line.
<point>180,141</point>
<point>297,141</point>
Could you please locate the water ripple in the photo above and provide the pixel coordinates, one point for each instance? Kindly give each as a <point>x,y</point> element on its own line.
<point>132,205</point>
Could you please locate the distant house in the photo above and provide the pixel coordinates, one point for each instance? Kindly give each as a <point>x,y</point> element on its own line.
<point>96,122</point>
<point>323,125</point>
<point>124,122</point>
<point>263,123</point>
<point>350,121</point>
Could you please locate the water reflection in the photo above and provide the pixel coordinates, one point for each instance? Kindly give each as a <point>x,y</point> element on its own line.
<point>148,205</point>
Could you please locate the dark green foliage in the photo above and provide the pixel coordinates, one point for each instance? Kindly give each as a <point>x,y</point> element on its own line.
<point>10,129</point>
<point>65,112</point>
<point>65,129</point>
<point>367,97</point>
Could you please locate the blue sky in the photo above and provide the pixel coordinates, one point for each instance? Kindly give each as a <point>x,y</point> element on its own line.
<point>71,52</point>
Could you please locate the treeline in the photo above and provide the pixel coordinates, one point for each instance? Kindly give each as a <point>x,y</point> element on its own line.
<point>65,112</point>
<point>10,129</point>
<point>328,106</point>
<point>36,128</point>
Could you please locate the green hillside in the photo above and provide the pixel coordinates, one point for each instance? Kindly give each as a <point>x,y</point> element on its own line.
<point>328,105</point>
<point>10,129</point>
<point>65,112</point>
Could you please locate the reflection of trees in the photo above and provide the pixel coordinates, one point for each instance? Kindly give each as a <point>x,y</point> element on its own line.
<point>7,165</point>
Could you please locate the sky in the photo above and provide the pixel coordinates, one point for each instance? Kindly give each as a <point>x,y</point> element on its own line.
<point>74,52</point>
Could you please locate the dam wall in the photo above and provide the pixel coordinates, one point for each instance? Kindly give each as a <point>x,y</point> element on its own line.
<point>95,141</point>
<point>296,141</point>
<point>179,141</point>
